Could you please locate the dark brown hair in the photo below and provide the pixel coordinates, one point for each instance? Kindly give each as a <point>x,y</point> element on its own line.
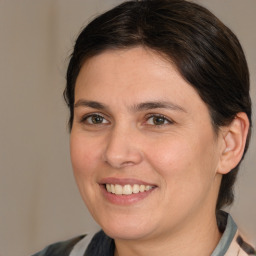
<point>206,53</point>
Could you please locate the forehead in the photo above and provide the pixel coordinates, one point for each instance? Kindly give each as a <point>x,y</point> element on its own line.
<point>133,75</point>
<point>126,62</point>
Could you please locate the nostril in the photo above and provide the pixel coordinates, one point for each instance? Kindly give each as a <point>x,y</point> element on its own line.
<point>127,163</point>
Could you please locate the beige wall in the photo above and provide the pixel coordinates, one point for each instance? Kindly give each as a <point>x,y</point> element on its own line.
<point>39,201</point>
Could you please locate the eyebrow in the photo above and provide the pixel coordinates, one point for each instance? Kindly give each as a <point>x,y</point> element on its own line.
<point>136,108</point>
<point>157,104</point>
<point>90,104</point>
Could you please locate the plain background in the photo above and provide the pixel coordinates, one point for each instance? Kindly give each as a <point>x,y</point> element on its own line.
<point>39,201</point>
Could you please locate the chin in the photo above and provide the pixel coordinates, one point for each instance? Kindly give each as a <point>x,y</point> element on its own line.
<point>128,228</point>
<point>124,233</point>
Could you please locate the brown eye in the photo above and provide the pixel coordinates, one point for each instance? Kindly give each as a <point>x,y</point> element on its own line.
<point>95,119</point>
<point>158,120</point>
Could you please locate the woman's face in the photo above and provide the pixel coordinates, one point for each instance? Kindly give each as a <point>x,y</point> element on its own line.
<point>143,149</point>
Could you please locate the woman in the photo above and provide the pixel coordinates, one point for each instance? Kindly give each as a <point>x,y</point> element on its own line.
<point>160,119</point>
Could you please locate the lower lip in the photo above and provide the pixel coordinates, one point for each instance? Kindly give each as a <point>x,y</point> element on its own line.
<point>125,199</point>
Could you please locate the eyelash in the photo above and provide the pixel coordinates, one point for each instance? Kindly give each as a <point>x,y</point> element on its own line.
<point>85,118</point>
<point>166,120</point>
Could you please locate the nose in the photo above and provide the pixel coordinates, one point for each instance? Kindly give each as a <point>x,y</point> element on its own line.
<point>121,149</point>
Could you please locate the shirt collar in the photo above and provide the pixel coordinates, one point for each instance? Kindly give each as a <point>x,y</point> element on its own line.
<point>226,223</point>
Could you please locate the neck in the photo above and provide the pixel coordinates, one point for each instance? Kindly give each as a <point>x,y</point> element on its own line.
<point>193,240</point>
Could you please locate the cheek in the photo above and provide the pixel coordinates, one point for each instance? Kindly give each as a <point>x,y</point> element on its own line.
<point>84,155</point>
<point>184,162</point>
<point>187,175</point>
<point>84,158</point>
<point>170,155</point>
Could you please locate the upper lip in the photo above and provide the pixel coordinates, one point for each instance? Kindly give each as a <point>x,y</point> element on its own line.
<point>124,181</point>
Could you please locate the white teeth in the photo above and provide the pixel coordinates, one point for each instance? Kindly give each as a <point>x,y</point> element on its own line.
<point>136,188</point>
<point>147,188</point>
<point>108,186</point>
<point>118,190</point>
<point>127,189</point>
<point>142,188</point>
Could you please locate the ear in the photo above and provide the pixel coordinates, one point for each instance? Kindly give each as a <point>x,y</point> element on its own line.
<point>234,137</point>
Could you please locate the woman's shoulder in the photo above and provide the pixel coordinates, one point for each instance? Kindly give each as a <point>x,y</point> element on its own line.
<point>62,248</point>
<point>95,244</point>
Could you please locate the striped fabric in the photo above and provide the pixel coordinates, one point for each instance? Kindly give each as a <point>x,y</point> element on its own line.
<point>231,243</point>
<point>239,247</point>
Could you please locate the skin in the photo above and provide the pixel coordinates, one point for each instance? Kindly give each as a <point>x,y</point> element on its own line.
<point>180,154</point>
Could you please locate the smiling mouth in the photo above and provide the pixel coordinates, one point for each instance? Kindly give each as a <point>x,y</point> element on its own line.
<point>127,189</point>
